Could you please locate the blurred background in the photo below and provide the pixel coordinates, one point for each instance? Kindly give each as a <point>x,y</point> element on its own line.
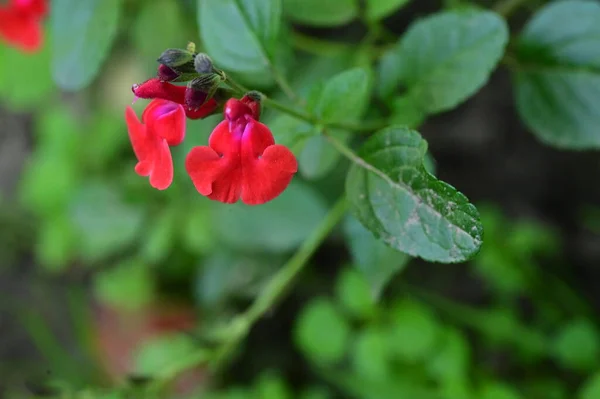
<point>104,280</point>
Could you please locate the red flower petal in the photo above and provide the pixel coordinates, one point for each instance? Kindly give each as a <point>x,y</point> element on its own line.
<point>21,29</point>
<point>241,164</point>
<point>155,88</point>
<point>151,151</point>
<point>166,119</point>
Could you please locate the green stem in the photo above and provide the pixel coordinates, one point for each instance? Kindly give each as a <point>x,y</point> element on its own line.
<point>283,84</point>
<point>269,297</point>
<point>238,88</point>
<point>507,7</point>
<point>288,110</point>
<point>278,285</point>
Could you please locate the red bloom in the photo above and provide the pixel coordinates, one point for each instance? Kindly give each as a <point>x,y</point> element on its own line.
<point>163,125</point>
<point>21,23</point>
<point>156,88</point>
<point>242,159</point>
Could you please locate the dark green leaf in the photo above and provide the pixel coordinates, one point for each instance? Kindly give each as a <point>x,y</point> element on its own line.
<point>241,35</point>
<point>377,261</point>
<point>321,12</point>
<point>56,244</point>
<point>82,36</point>
<point>445,58</point>
<point>557,74</point>
<point>277,226</point>
<point>160,353</point>
<point>322,332</point>
<point>378,9</point>
<point>392,194</point>
<point>494,390</point>
<point>271,386</point>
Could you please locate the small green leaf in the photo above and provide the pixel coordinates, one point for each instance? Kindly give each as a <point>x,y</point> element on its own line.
<point>82,36</point>
<point>445,58</point>
<point>591,388</point>
<point>271,386</point>
<point>160,353</point>
<point>392,195</point>
<point>370,355</point>
<point>56,245</point>
<point>322,332</point>
<point>128,285</point>
<point>377,261</point>
<point>27,92</point>
<point>576,346</point>
<point>241,35</point>
<point>105,222</point>
<point>321,13</point>
<point>557,74</point>
<point>161,236</point>
<point>495,390</point>
<point>354,293</point>
<point>198,236</point>
<point>451,361</point>
<point>344,97</point>
<point>378,9</point>
<point>414,331</point>
<point>277,226</point>
<point>406,112</point>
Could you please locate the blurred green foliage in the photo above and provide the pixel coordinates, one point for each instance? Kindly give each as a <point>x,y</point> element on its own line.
<point>356,326</point>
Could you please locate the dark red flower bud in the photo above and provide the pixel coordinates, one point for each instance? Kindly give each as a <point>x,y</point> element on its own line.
<point>167,74</point>
<point>201,89</point>
<point>156,88</point>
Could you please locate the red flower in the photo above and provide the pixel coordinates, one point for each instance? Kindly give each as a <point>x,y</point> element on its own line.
<point>156,88</point>
<point>163,125</point>
<point>21,23</point>
<point>242,159</point>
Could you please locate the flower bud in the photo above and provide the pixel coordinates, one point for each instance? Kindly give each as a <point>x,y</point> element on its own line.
<point>167,74</point>
<point>203,64</point>
<point>201,89</point>
<point>253,100</point>
<point>181,61</point>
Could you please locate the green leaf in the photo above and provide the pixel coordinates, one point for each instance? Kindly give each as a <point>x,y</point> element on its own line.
<point>344,97</point>
<point>322,332</point>
<point>159,26</point>
<point>277,226</point>
<point>160,353</point>
<point>161,236</point>
<point>241,35</point>
<point>451,361</point>
<point>198,237</point>
<point>128,285</point>
<point>27,92</point>
<point>370,355</point>
<point>56,244</point>
<point>577,346</point>
<point>414,331</point>
<point>82,36</point>
<point>591,388</point>
<point>354,293</point>
<point>495,390</point>
<point>557,74</point>
<point>377,261</point>
<point>106,223</point>
<point>321,13</point>
<point>445,58</point>
<point>378,9</point>
<point>318,157</point>
<point>393,196</point>
<point>271,386</point>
